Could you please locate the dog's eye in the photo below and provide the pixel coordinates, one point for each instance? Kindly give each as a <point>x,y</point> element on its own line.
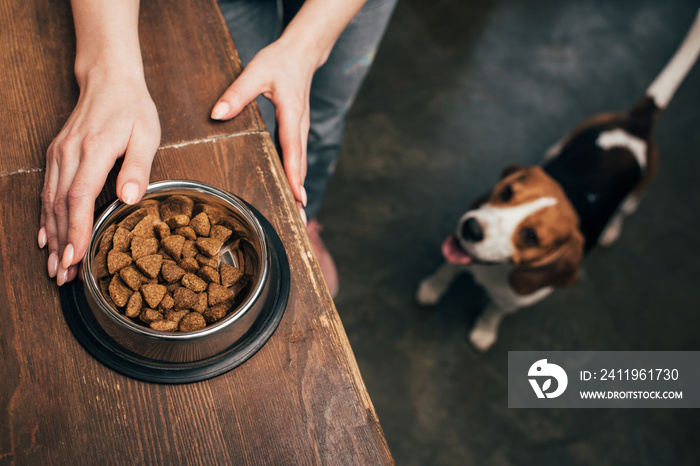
<point>529,236</point>
<point>506,194</point>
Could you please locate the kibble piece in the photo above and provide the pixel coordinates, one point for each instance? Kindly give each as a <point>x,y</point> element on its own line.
<point>209,274</point>
<point>178,221</point>
<point>192,321</point>
<point>200,303</point>
<point>173,246</point>
<point>142,247</point>
<point>132,277</point>
<point>166,303</point>
<point>220,232</point>
<point>229,275</point>
<point>150,265</point>
<point>165,255</point>
<point>121,239</point>
<point>214,213</point>
<point>152,206</point>
<point>99,268</point>
<point>106,240</point>
<point>176,205</point>
<point>189,265</point>
<point>193,282</point>
<point>203,260</point>
<point>230,223</point>
<point>171,272</point>
<point>133,219</point>
<point>153,293</point>
<point>162,230</point>
<point>184,298</point>
<point>200,224</point>
<point>145,228</point>
<point>164,325</point>
<point>117,260</point>
<point>218,294</point>
<point>119,292</point>
<point>189,249</point>
<point>134,305</point>
<point>187,232</point>
<point>209,246</point>
<point>148,315</point>
<point>176,316</point>
<point>216,313</point>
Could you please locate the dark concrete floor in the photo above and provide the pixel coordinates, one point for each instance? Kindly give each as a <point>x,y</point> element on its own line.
<point>459,90</point>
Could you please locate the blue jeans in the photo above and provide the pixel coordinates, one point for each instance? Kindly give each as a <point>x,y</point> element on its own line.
<point>255,24</point>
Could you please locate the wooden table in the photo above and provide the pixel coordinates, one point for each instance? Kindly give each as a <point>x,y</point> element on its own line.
<point>299,400</point>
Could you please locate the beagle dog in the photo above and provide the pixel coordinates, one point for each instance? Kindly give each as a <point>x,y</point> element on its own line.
<point>531,232</point>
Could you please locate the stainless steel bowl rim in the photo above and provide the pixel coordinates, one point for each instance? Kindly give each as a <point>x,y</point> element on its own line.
<point>165,186</point>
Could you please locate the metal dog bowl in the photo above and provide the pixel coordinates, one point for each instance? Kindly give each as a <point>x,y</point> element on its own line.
<point>147,354</point>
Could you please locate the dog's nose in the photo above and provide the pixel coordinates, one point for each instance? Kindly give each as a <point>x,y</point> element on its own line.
<point>471,230</point>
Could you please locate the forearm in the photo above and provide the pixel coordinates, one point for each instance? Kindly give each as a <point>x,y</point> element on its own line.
<point>107,39</point>
<point>317,26</point>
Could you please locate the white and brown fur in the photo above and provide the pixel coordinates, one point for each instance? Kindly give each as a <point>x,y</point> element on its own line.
<point>530,234</point>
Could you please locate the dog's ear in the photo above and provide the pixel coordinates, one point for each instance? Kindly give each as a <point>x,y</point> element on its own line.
<point>558,268</point>
<point>510,169</point>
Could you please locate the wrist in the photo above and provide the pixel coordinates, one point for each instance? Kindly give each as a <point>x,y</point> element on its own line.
<point>317,26</point>
<point>308,50</point>
<point>108,68</point>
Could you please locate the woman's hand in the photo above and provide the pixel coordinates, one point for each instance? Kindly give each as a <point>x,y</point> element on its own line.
<point>283,71</point>
<point>281,74</point>
<point>115,116</point>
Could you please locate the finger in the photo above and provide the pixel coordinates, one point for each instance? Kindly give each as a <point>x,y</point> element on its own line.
<point>305,124</point>
<point>239,94</point>
<point>72,273</point>
<point>48,197</point>
<point>136,169</point>
<point>66,275</point>
<point>292,150</point>
<point>61,208</point>
<point>302,213</point>
<point>41,237</point>
<point>85,188</point>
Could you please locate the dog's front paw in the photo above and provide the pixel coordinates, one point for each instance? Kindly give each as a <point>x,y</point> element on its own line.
<point>427,294</point>
<point>482,338</point>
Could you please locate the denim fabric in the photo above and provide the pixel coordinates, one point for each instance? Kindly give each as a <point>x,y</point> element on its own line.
<point>256,23</point>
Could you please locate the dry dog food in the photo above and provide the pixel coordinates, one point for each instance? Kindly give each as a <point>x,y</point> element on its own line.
<point>161,265</point>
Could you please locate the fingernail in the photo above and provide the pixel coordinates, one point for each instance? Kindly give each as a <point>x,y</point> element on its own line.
<point>62,276</point>
<point>302,212</point>
<point>53,264</point>
<point>220,110</point>
<point>130,192</point>
<point>68,256</point>
<point>304,199</point>
<point>42,237</point>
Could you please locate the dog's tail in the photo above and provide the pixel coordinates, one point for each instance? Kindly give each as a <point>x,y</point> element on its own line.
<point>667,82</point>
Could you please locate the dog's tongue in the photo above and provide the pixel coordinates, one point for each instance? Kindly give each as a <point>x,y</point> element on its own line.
<point>454,253</point>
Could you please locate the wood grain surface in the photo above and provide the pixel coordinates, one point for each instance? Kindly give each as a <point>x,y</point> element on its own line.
<point>189,60</point>
<point>299,400</point>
